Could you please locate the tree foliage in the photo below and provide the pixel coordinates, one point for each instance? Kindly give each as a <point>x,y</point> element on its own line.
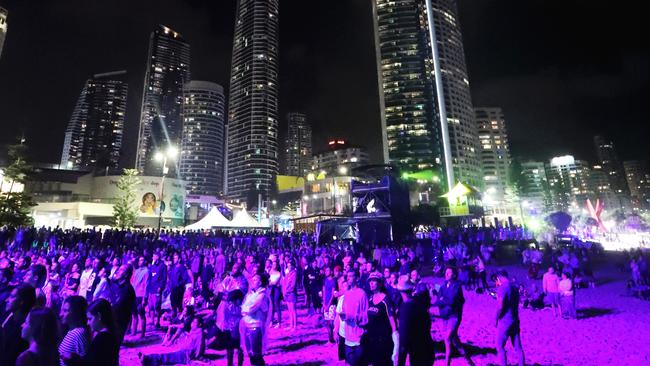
<point>125,209</point>
<point>15,207</point>
<point>517,182</point>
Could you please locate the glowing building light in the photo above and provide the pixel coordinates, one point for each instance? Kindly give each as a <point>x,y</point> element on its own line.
<point>563,160</point>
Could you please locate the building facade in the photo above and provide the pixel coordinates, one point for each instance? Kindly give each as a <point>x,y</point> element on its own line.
<point>568,180</point>
<point>330,195</point>
<point>426,107</point>
<point>535,187</point>
<point>252,141</point>
<point>411,127</point>
<point>202,145</point>
<point>611,165</point>
<point>339,158</point>
<point>93,138</point>
<point>297,145</point>
<point>463,136</point>
<point>4,14</point>
<point>72,198</point>
<point>638,180</point>
<point>161,122</point>
<point>494,152</point>
<point>600,188</point>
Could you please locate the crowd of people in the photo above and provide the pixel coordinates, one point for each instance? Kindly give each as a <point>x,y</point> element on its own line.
<point>224,290</point>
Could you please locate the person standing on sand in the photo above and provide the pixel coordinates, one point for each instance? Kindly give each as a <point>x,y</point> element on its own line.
<point>450,304</point>
<point>414,329</point>
<point>550,282</point>
<point>567,297</point>
<point>354,313</point>
<point>255,312</point>
<point>507,319</point>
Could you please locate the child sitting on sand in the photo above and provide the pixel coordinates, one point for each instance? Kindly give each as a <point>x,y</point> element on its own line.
<point>533,297</point>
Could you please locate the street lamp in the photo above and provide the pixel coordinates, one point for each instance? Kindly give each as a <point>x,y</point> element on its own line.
<point>160,156</point>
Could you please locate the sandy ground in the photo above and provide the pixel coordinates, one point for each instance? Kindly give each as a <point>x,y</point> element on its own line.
<point>612,329</point>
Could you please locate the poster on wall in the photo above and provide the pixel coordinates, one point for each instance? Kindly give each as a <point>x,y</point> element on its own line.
<point>171,202</point>
<point>151,200</point>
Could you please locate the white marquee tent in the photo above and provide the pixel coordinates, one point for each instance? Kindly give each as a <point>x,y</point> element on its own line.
<point>214,218</point>
<point>242,219</point>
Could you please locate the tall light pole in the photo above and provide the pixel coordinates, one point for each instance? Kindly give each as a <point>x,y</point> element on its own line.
<point>170,153</point>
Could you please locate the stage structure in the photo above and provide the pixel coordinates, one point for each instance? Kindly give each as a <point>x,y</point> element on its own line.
<point>380,207</point>
<point>465,205</point>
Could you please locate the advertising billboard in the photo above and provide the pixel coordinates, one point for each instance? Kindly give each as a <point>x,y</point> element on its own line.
<point>151,197</point>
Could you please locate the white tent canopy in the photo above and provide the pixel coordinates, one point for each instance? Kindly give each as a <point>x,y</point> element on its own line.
<point>214,218</point>
<point>242,219</point>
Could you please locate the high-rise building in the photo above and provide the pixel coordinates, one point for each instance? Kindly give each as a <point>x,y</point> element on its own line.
<point>297,145</point>
<point>455,85</point>
<point>161,123</point>
<point>611,165</point>
<point>94,134</point>
<point>252,141</point>
<point>202,146</point>
<point>600,188</point>
<point>638,180</point>
<point>339,158</point>
<point>494,151</point>
<point>426,107</point>
<point>411,127</point>
<point>3,27</point>
<point>535,187</point>
<point>568,180</point>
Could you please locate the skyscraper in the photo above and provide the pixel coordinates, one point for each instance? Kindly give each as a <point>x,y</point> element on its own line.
<point>535,187</point>
<point>463,137</point>
<point>494,151</point>
<point>611,165</point>
<point>411,127</point>
<point>297,145</point>
<point>568,181</point>
<point>3,27</point>
<point>638,180</point>
<point>202,147</point>
<point>600,188</point>
<point>94,135</point>
<point>426,107</point>
<point>253,106</point>
<point>168,69</point>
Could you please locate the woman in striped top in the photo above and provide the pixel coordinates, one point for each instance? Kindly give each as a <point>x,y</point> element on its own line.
<point>74,318</point>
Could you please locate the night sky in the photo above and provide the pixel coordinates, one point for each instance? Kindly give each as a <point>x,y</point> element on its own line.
<point>561,70</point>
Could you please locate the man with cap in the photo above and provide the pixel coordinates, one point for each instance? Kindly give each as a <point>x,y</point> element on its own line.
<point>450,303</point>
<point>414,328</point>
<point>379,340</point>
<point>507,320</point>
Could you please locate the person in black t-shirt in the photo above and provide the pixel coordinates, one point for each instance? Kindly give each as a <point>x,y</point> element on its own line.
<point>123,299</point>
<point>414,328</point>
<point>450,303</point>
<point>41,331</point>
<point>20,302</point>
<point>104,349</point>
<point>381,331</point>
<point>507,320</point>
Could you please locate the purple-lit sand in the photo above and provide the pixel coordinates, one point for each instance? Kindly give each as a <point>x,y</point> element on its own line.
<point>613,329</point>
